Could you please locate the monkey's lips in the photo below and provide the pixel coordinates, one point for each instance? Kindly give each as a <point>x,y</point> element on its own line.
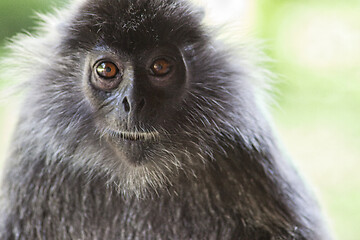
<point>135,136</point>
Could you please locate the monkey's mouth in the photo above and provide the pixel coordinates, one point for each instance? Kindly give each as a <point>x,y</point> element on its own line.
<point>135,136</point>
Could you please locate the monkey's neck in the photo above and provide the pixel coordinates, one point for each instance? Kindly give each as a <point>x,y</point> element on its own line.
<point>229,194</point>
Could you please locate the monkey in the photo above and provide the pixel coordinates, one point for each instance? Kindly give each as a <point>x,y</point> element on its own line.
<point>138,124</point>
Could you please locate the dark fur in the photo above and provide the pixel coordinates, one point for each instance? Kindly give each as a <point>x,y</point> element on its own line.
<point>216,173</point>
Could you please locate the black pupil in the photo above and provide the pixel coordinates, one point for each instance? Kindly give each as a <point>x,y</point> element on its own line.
<point>108,69</point>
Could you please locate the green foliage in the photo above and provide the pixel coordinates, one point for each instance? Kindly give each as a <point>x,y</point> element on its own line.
<point>316,49</point>
<point>18,15</point>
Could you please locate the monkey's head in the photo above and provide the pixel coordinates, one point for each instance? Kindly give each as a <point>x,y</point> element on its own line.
<point>135,74</point>
<point>135,89</point>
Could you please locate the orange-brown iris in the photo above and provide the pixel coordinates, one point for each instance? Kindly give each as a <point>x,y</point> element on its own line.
<point>107,70</point>
<point>161,67</point>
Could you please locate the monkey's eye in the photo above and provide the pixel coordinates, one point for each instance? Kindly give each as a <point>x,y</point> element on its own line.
<point>160,67</point>
<point>107,70</point>
<point>107,76</point>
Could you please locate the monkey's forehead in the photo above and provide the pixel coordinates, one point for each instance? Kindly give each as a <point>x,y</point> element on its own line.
<point>134,25</point>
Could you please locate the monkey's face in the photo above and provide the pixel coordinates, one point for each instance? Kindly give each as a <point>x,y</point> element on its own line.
<point>136,73</point>
<point>148,86</point>
<point>135,96</point>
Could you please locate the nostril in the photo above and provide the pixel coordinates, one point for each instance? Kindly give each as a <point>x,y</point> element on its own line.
<point>141,104</point>
<point>126,105</point>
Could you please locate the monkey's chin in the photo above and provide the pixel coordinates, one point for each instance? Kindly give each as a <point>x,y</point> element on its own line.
<point>133,147</point>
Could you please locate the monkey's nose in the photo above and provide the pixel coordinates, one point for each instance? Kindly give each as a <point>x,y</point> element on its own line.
<point>129,106</point>
<point>126,105</point>
<point>141,104</point>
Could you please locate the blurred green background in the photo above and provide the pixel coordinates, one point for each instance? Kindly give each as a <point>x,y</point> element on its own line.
<point>315,45</point>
